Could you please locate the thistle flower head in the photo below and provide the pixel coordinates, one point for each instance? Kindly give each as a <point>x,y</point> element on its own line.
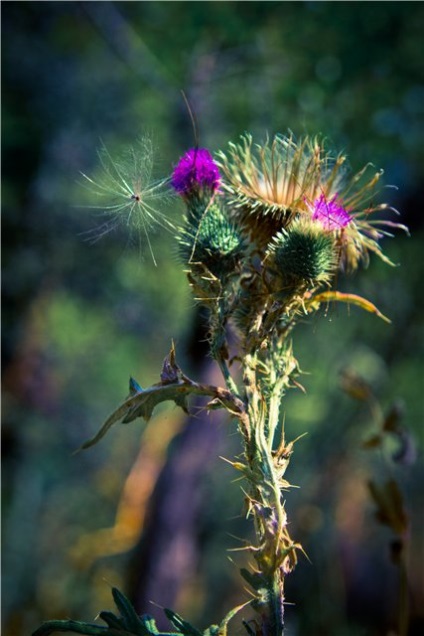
<point>128,195</point>
<point>330,214</point>
<point>272,185</point>
<point>196,173</point>
<point>268,183</point>
<point>348,207</point>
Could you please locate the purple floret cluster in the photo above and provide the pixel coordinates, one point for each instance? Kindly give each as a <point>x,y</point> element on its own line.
<point>196,171</point>
<point>330,214</point>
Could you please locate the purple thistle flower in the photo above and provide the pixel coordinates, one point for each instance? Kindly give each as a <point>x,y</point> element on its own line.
<point>196,172</point>
<point>330,214</point>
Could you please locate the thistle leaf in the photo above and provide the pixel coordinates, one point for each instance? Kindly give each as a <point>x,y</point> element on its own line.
<point>134,387</point>
<point>183,626</point>
<point>111,620</point>
<point>174,386</point>
<point>77,627</point>
<point>130,618</point>
<point>353,299</point>
<point>149,623</point>
<point>222,627</point>
<point>129,624</point>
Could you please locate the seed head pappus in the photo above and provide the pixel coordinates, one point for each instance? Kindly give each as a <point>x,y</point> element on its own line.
<point>129,196</point>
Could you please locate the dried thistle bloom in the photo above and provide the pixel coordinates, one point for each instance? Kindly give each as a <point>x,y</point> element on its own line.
<point>196,175</point>
<point>129,195</point>
<point>269,186</point>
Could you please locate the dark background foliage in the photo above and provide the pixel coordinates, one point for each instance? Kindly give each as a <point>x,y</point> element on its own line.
<point>79,319</point>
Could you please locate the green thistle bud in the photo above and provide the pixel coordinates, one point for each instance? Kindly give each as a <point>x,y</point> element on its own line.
<point>211,240</point>
<point>303,252</point>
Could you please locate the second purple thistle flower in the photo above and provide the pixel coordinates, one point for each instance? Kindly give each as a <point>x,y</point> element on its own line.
<point>330,214</point>
<point>196,171</point>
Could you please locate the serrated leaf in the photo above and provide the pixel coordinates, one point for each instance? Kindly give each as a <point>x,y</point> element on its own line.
<point>174,386</point>
<point>129,624</point>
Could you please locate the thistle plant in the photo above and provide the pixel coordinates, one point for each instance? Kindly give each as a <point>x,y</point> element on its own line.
<point>266,232</point>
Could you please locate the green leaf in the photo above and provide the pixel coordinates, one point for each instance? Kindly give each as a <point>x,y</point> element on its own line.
<point>111,620</point>
<point>134,387</point>
<point>183,626</point>
<point>130,618</point>
<point>49,627</point>
<point>149,623</point>
<point>129,624</point>
<point>224,623</point>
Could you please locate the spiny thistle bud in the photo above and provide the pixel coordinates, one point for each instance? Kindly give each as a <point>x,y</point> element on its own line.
<point>305,252</point>
<point>196,175</point>
<point>212,240</point>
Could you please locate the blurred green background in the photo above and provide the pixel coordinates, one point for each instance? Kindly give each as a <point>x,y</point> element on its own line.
<point>79,319</point>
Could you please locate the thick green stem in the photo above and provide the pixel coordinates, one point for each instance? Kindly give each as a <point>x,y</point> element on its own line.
<point>267,508</point>
<point>267,373</point>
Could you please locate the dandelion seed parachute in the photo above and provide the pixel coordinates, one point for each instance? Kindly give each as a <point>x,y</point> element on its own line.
<point>130,198</point>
